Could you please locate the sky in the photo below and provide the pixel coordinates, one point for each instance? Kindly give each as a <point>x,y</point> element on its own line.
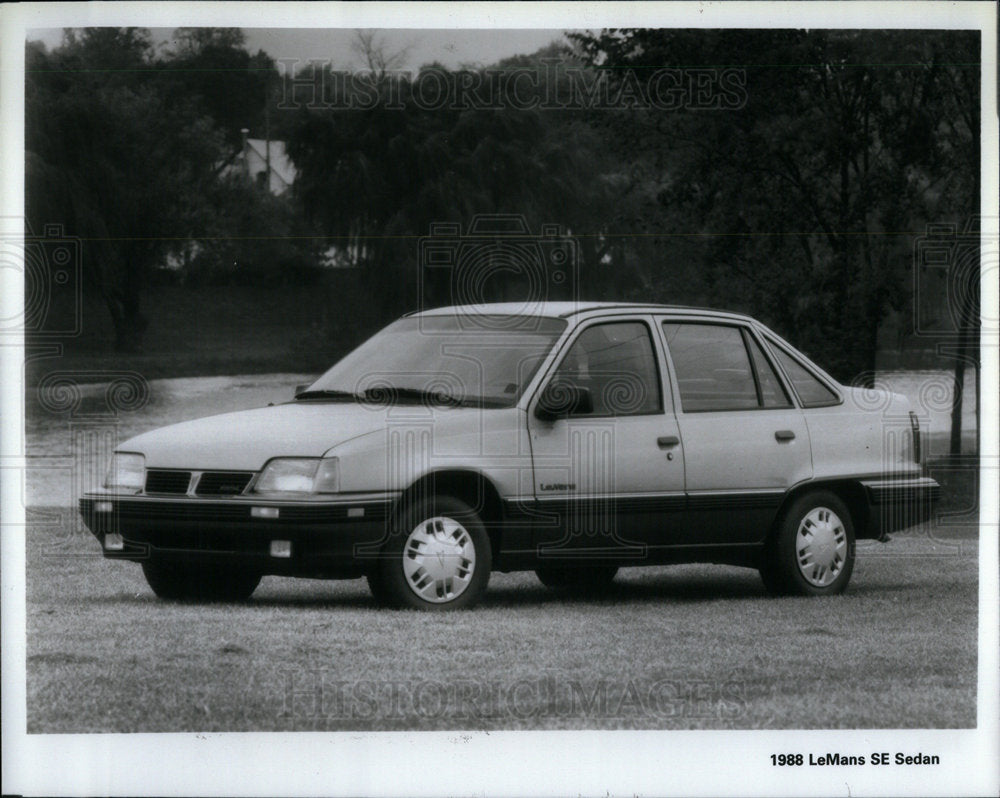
<point>449,47</point>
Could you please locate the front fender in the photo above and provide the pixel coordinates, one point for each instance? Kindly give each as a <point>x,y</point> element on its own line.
<point>492,442</point>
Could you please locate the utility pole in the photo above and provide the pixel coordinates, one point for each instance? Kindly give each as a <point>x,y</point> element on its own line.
<point>244,132</point>
<point>267,129</point>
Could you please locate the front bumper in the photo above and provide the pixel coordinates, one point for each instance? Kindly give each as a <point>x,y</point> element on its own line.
<point>895,504</point>
<point>314,538</point>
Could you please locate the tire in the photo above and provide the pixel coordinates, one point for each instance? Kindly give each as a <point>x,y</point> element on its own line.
<point>376,584</point>
<point>199,583</point>
<point>812,550</point>
<point>773,582</point>
<point>579,580</point>
<point>438,557</point>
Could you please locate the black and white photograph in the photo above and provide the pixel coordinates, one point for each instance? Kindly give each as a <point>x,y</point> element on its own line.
<point>528,399</point>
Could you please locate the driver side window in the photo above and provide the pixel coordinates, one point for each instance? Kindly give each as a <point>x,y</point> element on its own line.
<point>616,364</point>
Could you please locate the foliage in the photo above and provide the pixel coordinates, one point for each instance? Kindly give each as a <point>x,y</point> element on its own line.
<point>126,149</point>
<point>252,238</point>
<point>229,84</point>
<point>375,180</point>
<point>112,160</point>
<point>802,205</point>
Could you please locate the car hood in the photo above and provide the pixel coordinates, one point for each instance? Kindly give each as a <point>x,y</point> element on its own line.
<point>247,439</point>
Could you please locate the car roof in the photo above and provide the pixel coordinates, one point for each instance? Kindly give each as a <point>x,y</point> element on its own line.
<point>568,309</point>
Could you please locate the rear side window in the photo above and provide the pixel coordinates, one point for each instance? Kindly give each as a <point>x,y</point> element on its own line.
<point>772,394</point>
<point>712,366</point>
<point>812,392</point>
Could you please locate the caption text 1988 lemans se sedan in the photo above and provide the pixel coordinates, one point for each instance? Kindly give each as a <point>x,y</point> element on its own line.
<point>573,440</point>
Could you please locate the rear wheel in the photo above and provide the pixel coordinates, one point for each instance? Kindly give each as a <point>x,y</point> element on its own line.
<point>185,582</point>
<point>439,557</point>
<point>579,580</point>
<point>812,551</point>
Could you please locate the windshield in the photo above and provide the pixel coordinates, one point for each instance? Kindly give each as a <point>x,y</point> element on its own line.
<point>450,360</point>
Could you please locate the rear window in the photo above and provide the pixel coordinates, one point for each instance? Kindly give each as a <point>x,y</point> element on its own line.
<point>812,392</point>
<point>771,392</point>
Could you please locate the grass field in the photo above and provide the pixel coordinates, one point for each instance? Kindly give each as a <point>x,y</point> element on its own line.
<point>681,647</point>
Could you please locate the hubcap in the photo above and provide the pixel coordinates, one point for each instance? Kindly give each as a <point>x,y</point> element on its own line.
<point>821,546</point>
<point>439,560</point>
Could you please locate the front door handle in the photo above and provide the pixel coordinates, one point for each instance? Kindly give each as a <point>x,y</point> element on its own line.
<point>667,441</point>
<point>784,435</point>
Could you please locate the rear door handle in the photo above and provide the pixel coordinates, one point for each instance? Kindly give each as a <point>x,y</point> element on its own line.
<point>784,435</point>
<point>667,441</point>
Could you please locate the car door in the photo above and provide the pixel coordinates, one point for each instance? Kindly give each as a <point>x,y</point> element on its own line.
<point>745,441</point>
<point>609,481</point>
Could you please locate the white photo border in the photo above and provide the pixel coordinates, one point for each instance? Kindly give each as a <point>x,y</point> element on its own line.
<point>494,763</point>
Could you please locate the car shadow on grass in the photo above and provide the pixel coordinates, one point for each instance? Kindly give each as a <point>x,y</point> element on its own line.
<point>661,587</point>
<point>359,599</point>
<point>709,584</point>
<point>526,592</point>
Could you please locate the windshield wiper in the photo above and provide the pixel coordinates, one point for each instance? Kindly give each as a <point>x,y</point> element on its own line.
<point>328,394</point>
<point>394,392</point>
<point>391,393</point>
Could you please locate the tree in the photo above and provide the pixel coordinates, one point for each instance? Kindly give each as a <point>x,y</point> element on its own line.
<point>212,68</point>
<point>114,161</point>
<point>956,109</point>
<point>126,148</point>
<point>795,201</point>
<point>369,46</point>
<point>252,237</point>
<point>375,179</point>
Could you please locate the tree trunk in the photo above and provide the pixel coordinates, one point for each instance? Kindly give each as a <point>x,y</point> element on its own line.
<point>124,304</point>
<point>978,395</point>
<point>955,447</point>
<point>967,324</point>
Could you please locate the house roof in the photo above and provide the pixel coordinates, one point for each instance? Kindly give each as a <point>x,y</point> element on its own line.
<point>281,164</point>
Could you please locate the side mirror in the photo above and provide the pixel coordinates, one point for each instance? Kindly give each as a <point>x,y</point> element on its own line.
<point>561,399</point>
<point>300,388</point>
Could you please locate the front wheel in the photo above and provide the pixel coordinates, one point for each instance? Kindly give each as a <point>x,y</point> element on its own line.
<point>184,582</point>
<point>812,551</point>
<point>439,557</point>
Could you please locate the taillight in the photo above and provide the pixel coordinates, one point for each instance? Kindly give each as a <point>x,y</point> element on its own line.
<point>915,430</point>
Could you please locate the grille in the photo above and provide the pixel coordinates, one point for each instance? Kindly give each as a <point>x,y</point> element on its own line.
<point>167,481</point>
<point>223,483</point>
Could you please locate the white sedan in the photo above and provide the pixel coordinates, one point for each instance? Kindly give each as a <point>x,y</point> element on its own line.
<point>574,440</point>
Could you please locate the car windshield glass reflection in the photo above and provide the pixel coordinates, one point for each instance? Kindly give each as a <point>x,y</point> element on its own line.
<point>442,360</point>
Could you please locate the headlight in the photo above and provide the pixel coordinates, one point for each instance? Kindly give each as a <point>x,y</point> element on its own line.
<point>300,475</point>
<point>127,472</point>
